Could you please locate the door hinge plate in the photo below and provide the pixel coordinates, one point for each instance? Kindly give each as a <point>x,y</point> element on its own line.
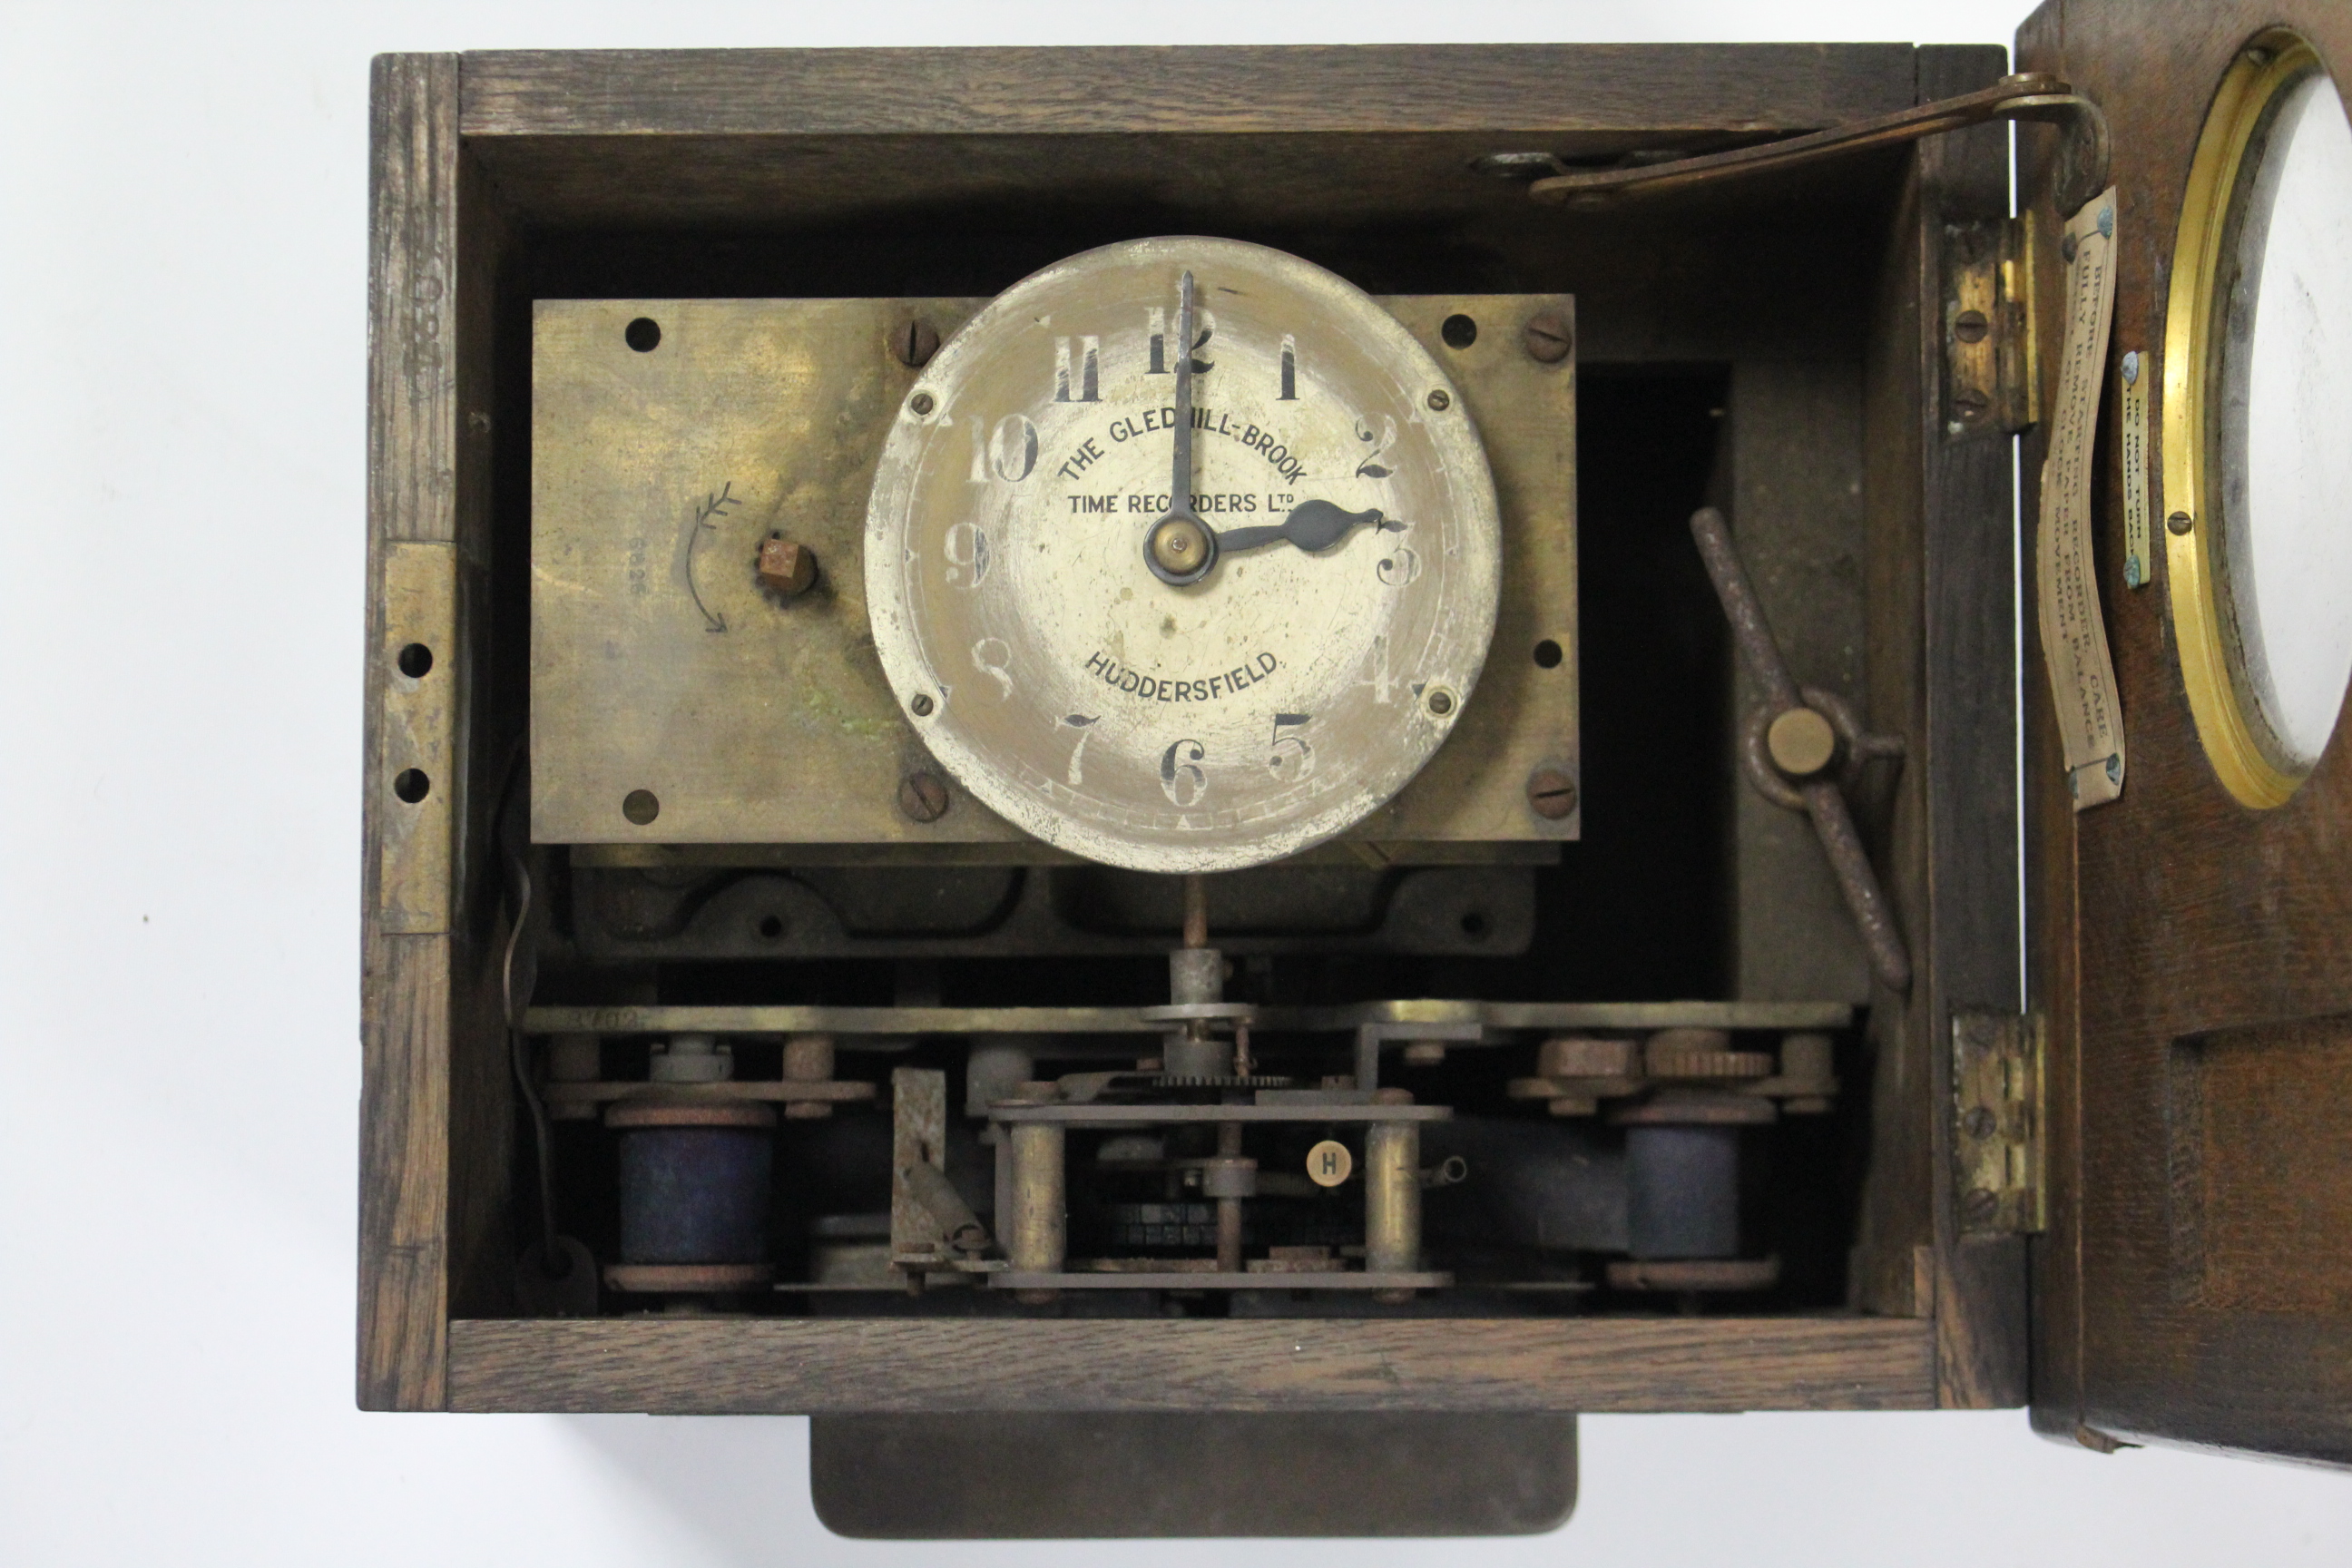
<point>1998,1179</point>
<point>1991,369</point>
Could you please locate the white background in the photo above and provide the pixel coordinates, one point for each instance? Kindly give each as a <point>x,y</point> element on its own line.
<point>183,221</point>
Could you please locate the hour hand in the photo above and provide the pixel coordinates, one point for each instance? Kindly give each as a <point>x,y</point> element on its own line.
<point>1313,525</point>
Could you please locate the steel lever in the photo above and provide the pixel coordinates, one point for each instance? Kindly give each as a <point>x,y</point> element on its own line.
<point>1790,743</point>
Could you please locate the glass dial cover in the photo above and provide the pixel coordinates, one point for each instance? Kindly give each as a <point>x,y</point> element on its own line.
<point>1034,569</point>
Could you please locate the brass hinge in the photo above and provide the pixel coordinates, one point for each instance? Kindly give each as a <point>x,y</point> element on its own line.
<point>1999,1175</point>
<point>1992,371</point>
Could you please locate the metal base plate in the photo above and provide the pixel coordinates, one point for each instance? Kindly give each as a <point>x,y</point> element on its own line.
<point>1029,1477</point>
<point>663,673</point>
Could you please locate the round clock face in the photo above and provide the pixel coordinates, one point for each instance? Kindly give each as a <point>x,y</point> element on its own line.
<point>1182,613</point>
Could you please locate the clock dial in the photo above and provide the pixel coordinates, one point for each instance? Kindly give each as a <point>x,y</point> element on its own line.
<point>1183,655</point>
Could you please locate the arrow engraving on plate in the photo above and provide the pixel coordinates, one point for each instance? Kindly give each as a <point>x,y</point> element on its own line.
<point>706,514</point>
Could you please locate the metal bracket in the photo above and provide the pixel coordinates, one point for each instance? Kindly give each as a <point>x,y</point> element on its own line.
<point>1998,1155</point>
<point>2080,173</point>
<point>1992,371</point>
<point>416,745</point>
<point>931,1227</point>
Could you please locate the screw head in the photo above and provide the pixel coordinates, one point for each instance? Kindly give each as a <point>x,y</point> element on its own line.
<point>1980,1206</point>
<point>923,797</point>
<point>1547,337</point>
<point>921,405</point>
<point>1179,547</point>
<point>2179,522</point>
<point>1981,1123</point>
<point>921,705</point>
<point>1440,400</point>
<point>1970,327</point>
<point>1971,402</point>
<point>914,343</point>
<point>1439,701</point>
<point>2067,247</point>
<point>1551,794</point>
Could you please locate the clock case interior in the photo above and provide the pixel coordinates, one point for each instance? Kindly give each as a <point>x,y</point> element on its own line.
<point>1773,347</point>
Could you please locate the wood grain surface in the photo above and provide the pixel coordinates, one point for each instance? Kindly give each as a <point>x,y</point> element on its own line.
<point>405,980</point>
<point>779,1366</point>
<point>435,1168</point>
<point>1939,652</point>
<point>2176,923</point>
<point>1092,91</point>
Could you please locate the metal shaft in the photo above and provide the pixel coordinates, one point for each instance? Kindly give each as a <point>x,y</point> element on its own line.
<point>1229,1209</point>
<point>1392,1199</point>
<point>1037,1234</point>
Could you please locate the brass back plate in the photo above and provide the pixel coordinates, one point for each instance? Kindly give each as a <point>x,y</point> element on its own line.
<point>661,667</point>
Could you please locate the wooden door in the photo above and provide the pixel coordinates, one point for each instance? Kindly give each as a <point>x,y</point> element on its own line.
<point>2192,941</point>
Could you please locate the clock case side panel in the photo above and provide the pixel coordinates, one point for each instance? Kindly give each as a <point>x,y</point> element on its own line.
<point>542,134</point>
<point>434,1110</point>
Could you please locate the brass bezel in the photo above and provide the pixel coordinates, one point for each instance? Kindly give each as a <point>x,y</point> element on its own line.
<point>2250,762</point>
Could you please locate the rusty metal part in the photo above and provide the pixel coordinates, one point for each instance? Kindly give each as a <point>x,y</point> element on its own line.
<point>1711,1063</point>
<point>1701,1053</point>
<point>688,1278</point>
<point>1551,793</point>
<point>682,1112</point>
<point>913,342</point>
<point>1856,747</point>
<point>1036,1235</point>
<point>922,797</point>
<point>1822,801</point>
<point>1392,1199</point>
<point>787,568</point>
<point>2082,171</point>
<point>1549,337</point>
<point>1694,1274</point>
<point>1196,926</point>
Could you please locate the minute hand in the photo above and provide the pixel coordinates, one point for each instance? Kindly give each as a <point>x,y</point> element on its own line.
<point>1313,525</point>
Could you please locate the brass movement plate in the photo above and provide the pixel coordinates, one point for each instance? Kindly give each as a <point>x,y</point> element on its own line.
<point>660,665</point>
